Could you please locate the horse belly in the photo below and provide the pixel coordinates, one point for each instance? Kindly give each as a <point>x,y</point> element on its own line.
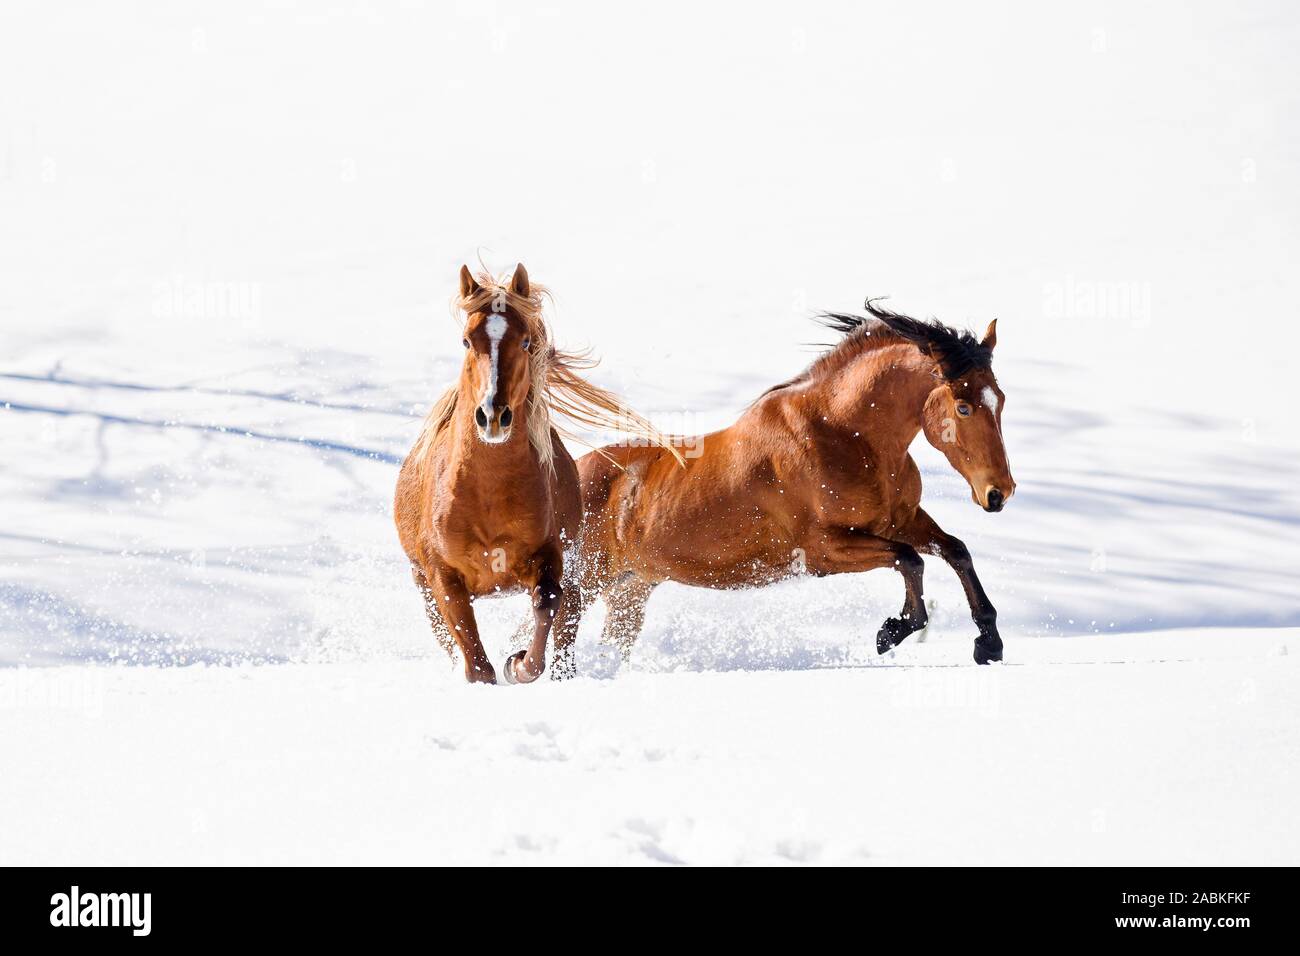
<point>715,547</point>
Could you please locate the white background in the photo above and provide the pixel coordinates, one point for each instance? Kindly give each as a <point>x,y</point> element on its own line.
<point>228,236</point>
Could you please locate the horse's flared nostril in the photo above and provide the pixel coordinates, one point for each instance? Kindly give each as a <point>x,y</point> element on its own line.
<point>507,417</point>
<point>481,417</point>
<point>994,500</point>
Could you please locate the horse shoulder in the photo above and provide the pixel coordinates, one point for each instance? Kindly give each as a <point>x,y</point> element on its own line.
<point>908,497</point>
<point>411,512</point>
<point>770,440</point>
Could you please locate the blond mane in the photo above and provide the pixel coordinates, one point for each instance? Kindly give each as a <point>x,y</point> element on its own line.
<point>559,391</point>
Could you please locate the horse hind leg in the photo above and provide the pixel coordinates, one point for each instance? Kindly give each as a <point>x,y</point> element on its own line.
<point>522,633</point>
<point>625,602</point>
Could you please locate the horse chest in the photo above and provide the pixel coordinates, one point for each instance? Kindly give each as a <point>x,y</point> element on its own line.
<point>502,522</point>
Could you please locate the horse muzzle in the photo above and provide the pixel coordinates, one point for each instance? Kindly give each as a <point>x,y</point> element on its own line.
<point>994,499</point>
<point>493,423</point>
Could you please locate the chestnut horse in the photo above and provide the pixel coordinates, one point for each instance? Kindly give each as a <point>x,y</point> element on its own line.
<point>815,477</point>
<point>484,508</point>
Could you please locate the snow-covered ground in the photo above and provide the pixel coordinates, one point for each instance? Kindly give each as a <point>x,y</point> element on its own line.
<point>227,240</point>
<point>1174,751</point>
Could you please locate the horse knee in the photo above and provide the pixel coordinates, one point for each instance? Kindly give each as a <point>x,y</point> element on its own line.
<point>957,554</point>
<point>547,596</point>
<point>908,561</point>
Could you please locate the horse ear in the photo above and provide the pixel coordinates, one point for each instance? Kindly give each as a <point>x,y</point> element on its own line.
<point>991,336</point>
<point>468,285</point>
<point>519,284</point>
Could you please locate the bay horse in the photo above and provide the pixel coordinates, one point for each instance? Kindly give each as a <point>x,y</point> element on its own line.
<point>488,501</point>
<point>814,477</point>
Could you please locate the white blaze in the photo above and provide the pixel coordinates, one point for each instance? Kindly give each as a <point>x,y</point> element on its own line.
<point>496,330</point>
<point>990,399</point>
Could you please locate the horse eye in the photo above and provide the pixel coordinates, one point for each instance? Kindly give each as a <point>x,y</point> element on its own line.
<point>527,342</point>
<point>963,410</point>
<point>465,342</point>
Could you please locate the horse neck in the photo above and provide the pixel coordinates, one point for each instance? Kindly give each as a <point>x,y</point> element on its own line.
<point>878,395</point>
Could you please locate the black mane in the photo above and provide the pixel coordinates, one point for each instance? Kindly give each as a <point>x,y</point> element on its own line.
<point>956,351</point>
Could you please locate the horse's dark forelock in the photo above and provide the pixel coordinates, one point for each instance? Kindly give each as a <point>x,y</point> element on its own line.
<point>957,351</point>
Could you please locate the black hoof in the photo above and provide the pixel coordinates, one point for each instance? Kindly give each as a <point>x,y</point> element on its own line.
<point>988,649</point>
<point>892,633</point>
<point>563,669</point>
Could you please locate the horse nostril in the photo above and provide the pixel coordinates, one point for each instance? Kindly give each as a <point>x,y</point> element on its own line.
<point>995,500</point>
<point>480,417</point>
<point>507,417</point>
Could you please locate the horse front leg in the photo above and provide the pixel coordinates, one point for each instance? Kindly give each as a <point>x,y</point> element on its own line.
<point>451,598</point>
<point>524,667</point>
<point>926,536</point>
<point>840,550</point>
